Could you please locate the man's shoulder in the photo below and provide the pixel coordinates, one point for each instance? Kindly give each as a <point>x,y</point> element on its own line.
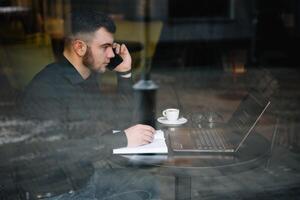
<point>49,78</point>
<point>51,72</point>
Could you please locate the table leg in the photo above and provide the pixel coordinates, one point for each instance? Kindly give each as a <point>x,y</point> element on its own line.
<point>182,187</point>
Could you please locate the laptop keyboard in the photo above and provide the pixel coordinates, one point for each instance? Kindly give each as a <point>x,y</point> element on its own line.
<point>209,139</point>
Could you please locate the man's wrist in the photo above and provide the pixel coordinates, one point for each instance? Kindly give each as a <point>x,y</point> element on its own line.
<point>126,74</point>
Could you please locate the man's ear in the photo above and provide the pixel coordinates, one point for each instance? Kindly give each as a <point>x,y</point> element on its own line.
<point>79,47</point>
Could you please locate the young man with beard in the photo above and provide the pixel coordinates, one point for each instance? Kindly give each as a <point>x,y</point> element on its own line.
<point>67,91</point>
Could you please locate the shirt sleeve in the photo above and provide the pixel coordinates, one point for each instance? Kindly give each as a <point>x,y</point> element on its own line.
<point>124,84</point>
<point>124,103</point>
<point>102,133</point>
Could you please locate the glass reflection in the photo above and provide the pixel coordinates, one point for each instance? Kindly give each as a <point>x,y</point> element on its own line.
<point>204,57</point>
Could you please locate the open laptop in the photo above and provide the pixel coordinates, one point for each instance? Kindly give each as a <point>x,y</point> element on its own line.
<point>225,139</point>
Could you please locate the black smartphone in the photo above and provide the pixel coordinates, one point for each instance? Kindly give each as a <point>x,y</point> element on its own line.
<point>115,61</point>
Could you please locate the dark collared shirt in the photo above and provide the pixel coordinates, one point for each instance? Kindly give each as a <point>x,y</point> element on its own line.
<point>59,93</point>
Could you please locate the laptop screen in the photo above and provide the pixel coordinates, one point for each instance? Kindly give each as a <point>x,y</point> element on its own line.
<point>246,114</point>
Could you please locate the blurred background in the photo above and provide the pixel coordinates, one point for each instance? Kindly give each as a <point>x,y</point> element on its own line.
<point>232,35</point>
<point>235,38</point>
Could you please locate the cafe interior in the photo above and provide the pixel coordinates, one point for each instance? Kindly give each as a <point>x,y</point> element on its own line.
<point>201,57</point>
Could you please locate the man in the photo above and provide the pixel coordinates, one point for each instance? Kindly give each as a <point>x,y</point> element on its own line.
<point>67,91</point>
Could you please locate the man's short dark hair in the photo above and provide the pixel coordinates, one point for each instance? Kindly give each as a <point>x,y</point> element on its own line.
<point>89,21</point>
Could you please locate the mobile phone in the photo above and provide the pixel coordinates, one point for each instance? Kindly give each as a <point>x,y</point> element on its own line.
<point>115,61</point>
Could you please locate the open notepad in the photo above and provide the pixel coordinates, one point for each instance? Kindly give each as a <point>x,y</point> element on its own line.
<point>158,146</point>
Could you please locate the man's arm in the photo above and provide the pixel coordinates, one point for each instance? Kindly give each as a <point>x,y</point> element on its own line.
<point>138,134</point>
<point>123,70</point>
<point>123,103</point>
<point>124,85</point>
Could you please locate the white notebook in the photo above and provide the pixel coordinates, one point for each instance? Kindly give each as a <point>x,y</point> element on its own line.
<point>158,146</point>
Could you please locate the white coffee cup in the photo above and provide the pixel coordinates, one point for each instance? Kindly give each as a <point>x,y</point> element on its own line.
<point>171,114</point>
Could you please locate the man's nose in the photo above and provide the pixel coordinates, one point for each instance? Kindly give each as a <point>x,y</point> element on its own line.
<point>111,53</point>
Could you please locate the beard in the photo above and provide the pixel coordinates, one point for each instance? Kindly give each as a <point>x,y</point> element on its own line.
<point>89,62</point>
<point>88,59</point>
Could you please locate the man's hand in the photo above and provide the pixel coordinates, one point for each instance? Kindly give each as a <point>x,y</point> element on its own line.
<point>122,50</point>
<point>139,135</point>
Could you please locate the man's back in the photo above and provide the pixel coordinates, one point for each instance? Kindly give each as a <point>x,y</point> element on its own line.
<point>59,92</point>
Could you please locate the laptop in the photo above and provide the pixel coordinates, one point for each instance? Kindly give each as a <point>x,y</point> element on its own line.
<point>228,138</point>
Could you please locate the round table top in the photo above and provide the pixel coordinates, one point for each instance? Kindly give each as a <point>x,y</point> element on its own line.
<point>252,153</point>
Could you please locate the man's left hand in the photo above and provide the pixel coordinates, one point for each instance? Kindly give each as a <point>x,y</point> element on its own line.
<point>122,50</point>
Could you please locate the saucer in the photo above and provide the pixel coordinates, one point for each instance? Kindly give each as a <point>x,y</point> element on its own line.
<point>164,120</point>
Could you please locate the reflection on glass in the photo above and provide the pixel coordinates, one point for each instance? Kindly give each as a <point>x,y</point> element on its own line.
<point>207,119</point>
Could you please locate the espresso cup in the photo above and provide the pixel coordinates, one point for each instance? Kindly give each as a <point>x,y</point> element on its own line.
<point>171,114</point>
